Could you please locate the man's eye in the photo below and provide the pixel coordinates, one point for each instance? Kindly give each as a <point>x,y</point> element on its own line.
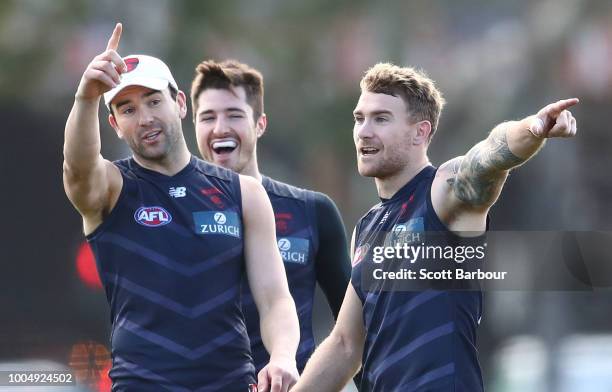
<point>381,119</point>
<point>128,111</point>
<point>358,120</point>
<point>155,102</point>
<point>236,116</point>
<point>206,119</point>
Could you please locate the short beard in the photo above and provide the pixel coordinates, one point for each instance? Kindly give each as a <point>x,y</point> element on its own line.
<point>384,169</point>
<point>171,134</point>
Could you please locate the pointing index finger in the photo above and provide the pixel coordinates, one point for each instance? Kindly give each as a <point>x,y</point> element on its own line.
<point>563,104</point>
<point>113,42</point>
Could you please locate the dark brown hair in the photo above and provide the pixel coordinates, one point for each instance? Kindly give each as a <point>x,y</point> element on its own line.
<point>227,75</point>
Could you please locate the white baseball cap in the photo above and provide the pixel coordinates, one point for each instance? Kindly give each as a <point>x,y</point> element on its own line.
<point>143,71</point>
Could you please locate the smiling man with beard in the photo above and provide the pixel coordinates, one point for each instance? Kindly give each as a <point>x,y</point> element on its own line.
<point>171,259</point>
<point>419,340</point>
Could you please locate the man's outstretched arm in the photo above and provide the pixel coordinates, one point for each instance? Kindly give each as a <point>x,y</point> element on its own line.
<point>476,179</point>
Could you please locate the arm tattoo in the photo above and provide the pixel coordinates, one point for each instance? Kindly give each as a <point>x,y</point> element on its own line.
<point>481,173</point>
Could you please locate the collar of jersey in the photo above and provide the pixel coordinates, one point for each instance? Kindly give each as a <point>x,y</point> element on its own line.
<point>160,176</point>
<point>410,185</point>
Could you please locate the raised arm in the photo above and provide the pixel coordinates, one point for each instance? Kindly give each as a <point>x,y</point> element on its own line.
<point>473,182</point>
<point>91,183</point>
<point>278,317</point>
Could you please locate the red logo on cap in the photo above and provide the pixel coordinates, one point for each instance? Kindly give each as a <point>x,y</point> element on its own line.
<point>131,63</point>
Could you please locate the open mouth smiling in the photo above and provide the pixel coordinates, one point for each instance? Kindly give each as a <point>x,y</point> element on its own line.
<point>365,151</point>
<point>224,146</point>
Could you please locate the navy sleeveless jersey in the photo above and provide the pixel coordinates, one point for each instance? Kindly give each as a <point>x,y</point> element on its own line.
<point>297,236</point>
<point>415,340</point>
<point>170,256</point>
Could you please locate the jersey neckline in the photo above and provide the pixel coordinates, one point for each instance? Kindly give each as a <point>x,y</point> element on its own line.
<point>160,176</point>
<point>410,185</point>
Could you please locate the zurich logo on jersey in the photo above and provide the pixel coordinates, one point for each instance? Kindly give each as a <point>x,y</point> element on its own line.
<point>217,223</point>
<point>294,250</point>
<point>220,218</point>
<point>152,216</point>
<point>284,244</point>
<point>406,233</point>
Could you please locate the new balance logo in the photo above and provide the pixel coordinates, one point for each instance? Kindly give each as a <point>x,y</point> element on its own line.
<point>179,191</point>
<point>384,218</point>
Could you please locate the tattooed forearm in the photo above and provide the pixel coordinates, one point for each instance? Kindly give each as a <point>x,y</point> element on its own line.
<point>482,172</point>
<point>495,154</point>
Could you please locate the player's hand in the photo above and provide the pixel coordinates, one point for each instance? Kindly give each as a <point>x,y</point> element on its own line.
<point>277,376</point>
<point>555,120</point>
<point>103,73</point>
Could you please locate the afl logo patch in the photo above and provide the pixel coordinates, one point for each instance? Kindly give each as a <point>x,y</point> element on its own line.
<point>152,216</point>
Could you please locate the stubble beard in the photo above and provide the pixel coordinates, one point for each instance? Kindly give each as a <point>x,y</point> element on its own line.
<point>384,168</point>
<point>170,136</point>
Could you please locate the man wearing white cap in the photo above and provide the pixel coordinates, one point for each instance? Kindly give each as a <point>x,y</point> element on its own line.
<point>172,236</point>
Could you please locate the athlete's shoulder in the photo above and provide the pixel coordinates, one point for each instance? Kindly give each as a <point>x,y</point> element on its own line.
<point>212,170</point>
<point>217,179</point>
<point>123,164</point>
<point>324,204</point>
<point>375,208</point>
<point>367,217</point>
<point>126,168</point>
<point>284,190</point>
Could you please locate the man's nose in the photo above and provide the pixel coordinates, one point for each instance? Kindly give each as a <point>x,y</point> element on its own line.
<point>364,130</point>
<point>145,118</point>
<point>221,126</point>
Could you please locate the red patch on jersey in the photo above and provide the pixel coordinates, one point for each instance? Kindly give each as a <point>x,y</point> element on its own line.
<point>217,200</point>
<point>282,221</point>
<point>404,208</point>
<point>360,253</point>
<point>282,226</point>
<point>212,194</point>
<point>131,63</point>
<point>283,215</point>
<point>210,191</point>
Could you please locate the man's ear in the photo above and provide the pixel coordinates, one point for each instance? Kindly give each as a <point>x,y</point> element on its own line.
<point>423,130</point>
<point>113,123</point>
<point>260,126</point>
<point>181,100</point>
